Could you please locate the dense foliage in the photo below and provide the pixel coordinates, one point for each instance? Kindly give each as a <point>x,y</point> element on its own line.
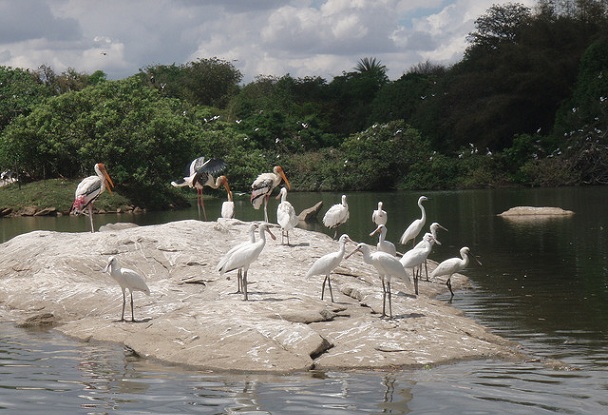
<point>527,104</point>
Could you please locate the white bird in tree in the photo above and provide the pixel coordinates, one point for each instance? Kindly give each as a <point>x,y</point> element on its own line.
<point>453,265</point>
<point>379,216</point>
<point>336,215</point>
<point>416,226</point>
<point>286,215</point>
<point>244,256</point>
<point>388,267</point>
<point>127,279</point>
<point>201,173</point>
<point>327,263</point>
<point>90,189</point>
<point>417,256</point>
<point>384,245</point>
<point>262,188</point>
<point>228,207</point>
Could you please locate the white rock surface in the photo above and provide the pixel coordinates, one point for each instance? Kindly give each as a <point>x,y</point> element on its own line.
<point>193,317</point>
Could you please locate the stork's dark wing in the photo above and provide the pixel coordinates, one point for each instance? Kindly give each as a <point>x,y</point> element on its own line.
<point>212,166</point>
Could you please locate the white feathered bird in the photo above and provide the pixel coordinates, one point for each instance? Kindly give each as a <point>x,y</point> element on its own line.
<point>417,256</point>
<point>127,279</point>
<point>286,215</point>
<point>453,265</point>
<point>336,215</point>
<point>384,245</point>
<point>416,226</point>
<point>379,216</point>
<point>327,263</point>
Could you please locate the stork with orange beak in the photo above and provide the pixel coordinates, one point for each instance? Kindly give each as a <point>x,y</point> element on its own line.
<point>90,189</point>
<point>262,188</point>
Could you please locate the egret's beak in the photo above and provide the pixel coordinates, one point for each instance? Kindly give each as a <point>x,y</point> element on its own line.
<point>441,227</point>
<point>475,258</point>
<point>349,255</point>
<point>270,233</point>
<point>109,182</point>
<point>375,231</point>
<point>282,174</point>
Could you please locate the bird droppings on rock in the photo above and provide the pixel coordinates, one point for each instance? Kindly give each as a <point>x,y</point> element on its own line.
<point>283,327</point>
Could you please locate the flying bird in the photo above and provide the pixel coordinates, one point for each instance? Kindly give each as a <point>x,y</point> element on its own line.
<point>416,226</point>
<point>336,215</point>
<point>417,256</point>
<point>327,263</point>
<point>201,173</point>
<point>90,189</point>
<point>379,216</point>
<point>127,279</point>
<point>388,267</point>
<point>453,265</point>
<point>286,215</point>
<point>262,188</point>
<point>244,256</point>
<point>384,245</point>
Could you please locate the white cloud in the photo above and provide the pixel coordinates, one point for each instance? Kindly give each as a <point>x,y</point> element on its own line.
<point>268,37</point>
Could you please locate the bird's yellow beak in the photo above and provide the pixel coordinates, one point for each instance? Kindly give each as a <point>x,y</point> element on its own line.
<point>226,186</point>
<point>349,255</point>
<point>109,182</point>
<point>282,174</point>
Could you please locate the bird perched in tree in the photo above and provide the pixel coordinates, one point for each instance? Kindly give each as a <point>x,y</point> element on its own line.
<point>453,265</point>
<point>244,256</point>
<point>90,189</point>
<point>336,215</point>
<point>286,215</point>
<point>388,267</point>
<point>379,216</point>
<point>416,226</point>
<point>200,173</point>
<point>264,184</point>
<point>127,279</point>
<point>327,263</point>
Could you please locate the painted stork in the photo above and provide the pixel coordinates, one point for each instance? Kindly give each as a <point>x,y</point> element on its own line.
<point>262,188</point>
<point>90,189</point>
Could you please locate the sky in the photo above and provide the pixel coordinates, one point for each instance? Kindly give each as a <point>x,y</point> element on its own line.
<point>259,37</point>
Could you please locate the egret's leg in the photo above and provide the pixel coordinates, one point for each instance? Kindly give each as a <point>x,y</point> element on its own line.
<point>323,286</point>
<point>132,312</point>
<point>124,300</point>
<point>449,284</point>
<point>426,270</point>
<point>390,303</point>
<point>90,207</point>
<point>239,281</point>
<point>383,298</point>
<point>331,294</point>
<point>245,284</point>
<point>416,274</point>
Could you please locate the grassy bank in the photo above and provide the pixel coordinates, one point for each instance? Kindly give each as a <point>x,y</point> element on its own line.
<point>57,193</point>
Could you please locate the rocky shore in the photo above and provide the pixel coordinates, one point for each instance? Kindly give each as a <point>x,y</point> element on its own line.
<point>193,316</point>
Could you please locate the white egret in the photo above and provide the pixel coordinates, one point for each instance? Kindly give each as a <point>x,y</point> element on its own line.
<point>453,265</point>
<point>90,189</point>
<point>387,266</point>
<point>416,226</point>
<point>263,186</point>
<point>244,256</point>
<point>201,173</point>
<point>379,216</point>
<point>433,228</point>
<point>417,256</point>
<point>384,245</point>
<point>327,263</point>
<point>228,207</point>
<point>286,215</point>
<point>336,215</point>
<point>127,279</point>
<point>251,232</point>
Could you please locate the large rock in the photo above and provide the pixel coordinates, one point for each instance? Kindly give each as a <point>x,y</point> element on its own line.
<point>193,317</point>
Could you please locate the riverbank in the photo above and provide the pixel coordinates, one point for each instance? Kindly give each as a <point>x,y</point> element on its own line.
<point>193,317</point>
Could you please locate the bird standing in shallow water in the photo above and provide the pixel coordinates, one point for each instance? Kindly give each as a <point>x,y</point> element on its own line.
<point>336,215</point>
<point>387,266</point>
<point>201,173</point>
<point>453,265</point>
<point>416,226</point>
<point>286,215</point>
<point>127,279</point>
<point>244,256</point>
<point>90,189</point>
<point>327,263</point>
<point>264,184</point>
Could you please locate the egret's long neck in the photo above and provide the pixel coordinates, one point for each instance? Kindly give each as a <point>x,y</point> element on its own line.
<point>423,211</point>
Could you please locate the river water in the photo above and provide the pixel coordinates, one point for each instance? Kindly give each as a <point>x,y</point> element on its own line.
<point>543,284</point>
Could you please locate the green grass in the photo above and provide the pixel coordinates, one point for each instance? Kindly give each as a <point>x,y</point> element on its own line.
<point>57,193</point>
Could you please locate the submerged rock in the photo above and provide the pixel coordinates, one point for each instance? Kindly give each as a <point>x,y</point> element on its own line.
<point>536,211</point>
<point>283,327</point>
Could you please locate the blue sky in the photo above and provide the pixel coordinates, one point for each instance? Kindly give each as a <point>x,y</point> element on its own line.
<point>261,37</point>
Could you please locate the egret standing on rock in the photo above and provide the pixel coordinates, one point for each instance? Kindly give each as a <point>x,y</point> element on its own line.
<point>252,228</point>
<point>244,256</point>
<point>89,190</point>
<point>286,215</point>
<point>417,256</point>
<point>384,245</point>
<point>434,227</point>
<point>262,188</point>
<point>336,215</point>
<point>327,263</point>
<point>453,265</point>
<point>127,279</point>
<point>416,226</point>
<point>387,266</point>
<point>379,216</point>
<point>201,173</point>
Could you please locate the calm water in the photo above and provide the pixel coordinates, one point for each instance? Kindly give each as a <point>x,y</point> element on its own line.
<point>543,284</point>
